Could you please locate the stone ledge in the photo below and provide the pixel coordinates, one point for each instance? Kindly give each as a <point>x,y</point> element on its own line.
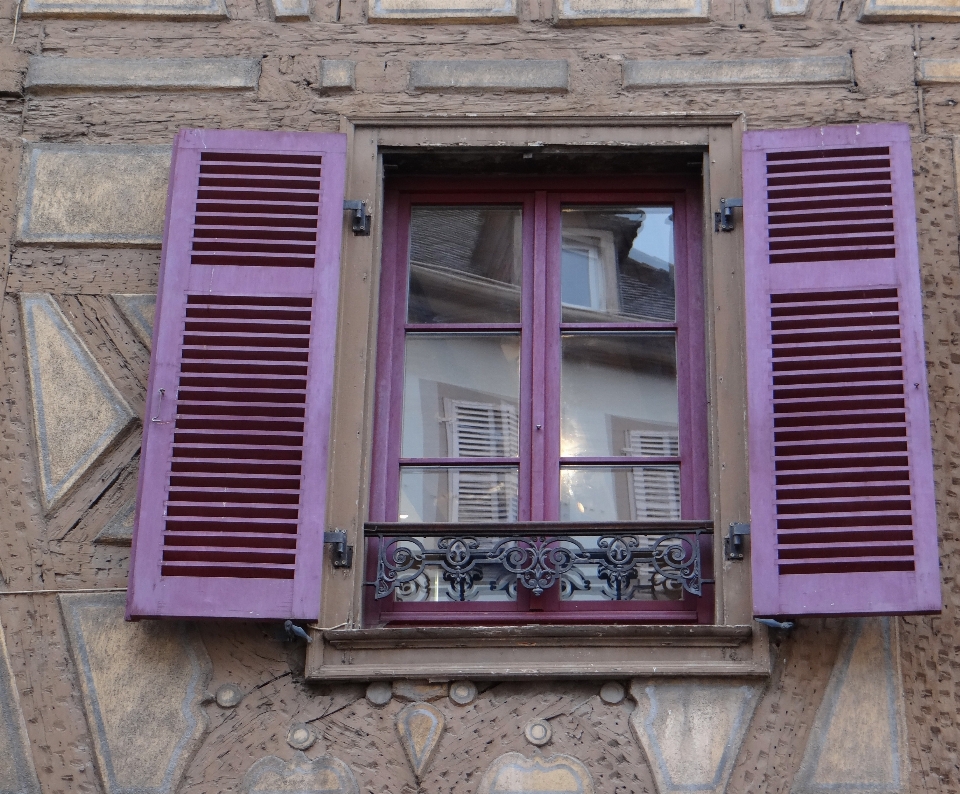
<point>789,8</point>
<point>161,9</point>
<point>452,11</point>
<point>932,71</point>
<point>63,74</point>
<point>291,10</point>
<point>502,75</point>
<point>910,11</point>
<point>629,12</point>
<point>831,70</point>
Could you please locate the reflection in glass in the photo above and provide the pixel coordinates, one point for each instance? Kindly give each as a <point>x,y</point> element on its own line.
<point>461,396</point>
<point>620,493</point>
<point>465,265</point>
<point>442,494</point>
<point>618,395</point>
<point>617,263</point>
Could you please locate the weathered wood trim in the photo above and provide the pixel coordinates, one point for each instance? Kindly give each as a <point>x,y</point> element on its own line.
<point>382,653</point>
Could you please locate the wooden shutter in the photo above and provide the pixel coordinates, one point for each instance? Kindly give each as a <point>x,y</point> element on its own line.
<point>231,501</point>
<point>656,489</point>
<point>841,474</point>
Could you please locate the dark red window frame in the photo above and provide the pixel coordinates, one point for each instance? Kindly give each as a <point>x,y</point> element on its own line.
<point>541,199</point>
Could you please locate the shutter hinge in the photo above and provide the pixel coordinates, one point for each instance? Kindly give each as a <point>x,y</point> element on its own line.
<point>733,543</point>
<point>342,553</point>
<point>360,218</point>
<point>723,220</point>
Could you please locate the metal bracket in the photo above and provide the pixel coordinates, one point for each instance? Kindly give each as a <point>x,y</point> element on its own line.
<point>723,220</point>
<point>361,220</point>
<point>733,543</point>
<point>342,553</point>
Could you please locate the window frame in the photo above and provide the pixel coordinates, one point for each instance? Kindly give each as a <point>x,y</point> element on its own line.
<point>540,460</point>
<point>734,645</point>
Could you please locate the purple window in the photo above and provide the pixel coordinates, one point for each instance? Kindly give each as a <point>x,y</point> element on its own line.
<point>541,409</point>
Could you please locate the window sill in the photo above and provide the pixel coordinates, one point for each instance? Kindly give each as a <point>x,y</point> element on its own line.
<point>523,652</point>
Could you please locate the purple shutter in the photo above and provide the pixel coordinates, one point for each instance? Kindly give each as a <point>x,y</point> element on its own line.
<point>231,502</point>
<point>841,471</point>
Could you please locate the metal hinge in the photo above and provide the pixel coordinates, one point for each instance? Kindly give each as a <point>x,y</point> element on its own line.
<point>733,543</point>
<point>342,553</point>
<point>723,220</point>
<point>361,220</point>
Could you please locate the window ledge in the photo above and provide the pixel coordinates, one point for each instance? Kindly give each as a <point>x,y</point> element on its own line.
<point>526,651</point>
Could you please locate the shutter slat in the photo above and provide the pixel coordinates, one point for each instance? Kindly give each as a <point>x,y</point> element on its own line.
<point>228,523</point>
<point>843,519</point>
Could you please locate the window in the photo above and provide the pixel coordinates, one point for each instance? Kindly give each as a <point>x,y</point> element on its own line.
<point>541,360</point>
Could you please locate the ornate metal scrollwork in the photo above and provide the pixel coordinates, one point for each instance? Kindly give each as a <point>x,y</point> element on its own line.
<point>392,565</point>
<point>644,563</point>
<point>538,561</point>
<point>677,558</point>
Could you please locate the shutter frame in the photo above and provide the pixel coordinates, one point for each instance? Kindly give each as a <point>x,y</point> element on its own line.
<point>248,595</point>
<point>852,592</point>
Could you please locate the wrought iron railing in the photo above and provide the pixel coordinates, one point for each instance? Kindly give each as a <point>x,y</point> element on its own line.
<point>623,561</point>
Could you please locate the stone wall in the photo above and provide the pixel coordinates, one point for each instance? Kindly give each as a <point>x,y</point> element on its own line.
<point>91,94</point>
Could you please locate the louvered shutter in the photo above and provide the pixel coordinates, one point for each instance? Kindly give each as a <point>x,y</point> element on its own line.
<point>231,501</point>
<point>841,473</point>
<point>481,430</point>
<point>656,490</point>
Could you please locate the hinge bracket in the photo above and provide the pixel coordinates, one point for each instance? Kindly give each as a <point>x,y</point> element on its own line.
<point>342,553</point>
<point>733,543</point>
<point>360,217</point>
<point>723,220</point>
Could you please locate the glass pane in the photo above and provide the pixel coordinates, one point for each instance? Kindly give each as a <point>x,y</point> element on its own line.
<point>461,396</point>
<point>465,265</point>
<point>618,395</point>
<point>443,494</point>
<point>617,264</point>
<point>620,493</point>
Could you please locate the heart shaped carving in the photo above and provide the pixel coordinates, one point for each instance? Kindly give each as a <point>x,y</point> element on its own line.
<point>516,774</point>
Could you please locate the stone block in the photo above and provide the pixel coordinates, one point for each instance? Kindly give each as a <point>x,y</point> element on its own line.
<point>857,744</point>
<point>419,727</point>
<point>500,75</point>
<point>78,413</point>
<point>139,310</point>
<point>119,529</point>
<point>829,70</point>
<point>301,775</point>
<point>691,731</point>
<point>429,10</point>
<point>789,8</point>
<point>612,12</point>
<point>337,75</point>
<point>513,773</point>
<point>162,9</point>
<point>910,11</point>
<point>143,685</point>
<point>155,74</point>
<point>931,71</point>
<point>17,773</point>
<point>111,195</point>
<point>291,10</point>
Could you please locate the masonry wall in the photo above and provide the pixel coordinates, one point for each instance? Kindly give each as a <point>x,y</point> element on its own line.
<point>89,703</point>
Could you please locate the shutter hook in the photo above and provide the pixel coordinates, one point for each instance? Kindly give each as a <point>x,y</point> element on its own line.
<point>723,220</point>
<point>359,216</point>
<point>159,404</point>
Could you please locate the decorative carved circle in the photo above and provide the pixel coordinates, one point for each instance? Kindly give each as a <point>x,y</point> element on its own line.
<point>228,696</point>
<point>612,693</point>
<point>301,736</point>
<point>538,732</point>
<point>379,693</point>
<point>463,693</point>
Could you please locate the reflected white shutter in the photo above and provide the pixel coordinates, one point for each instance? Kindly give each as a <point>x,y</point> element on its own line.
<point>656,491</point>
<point>481,430</point>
